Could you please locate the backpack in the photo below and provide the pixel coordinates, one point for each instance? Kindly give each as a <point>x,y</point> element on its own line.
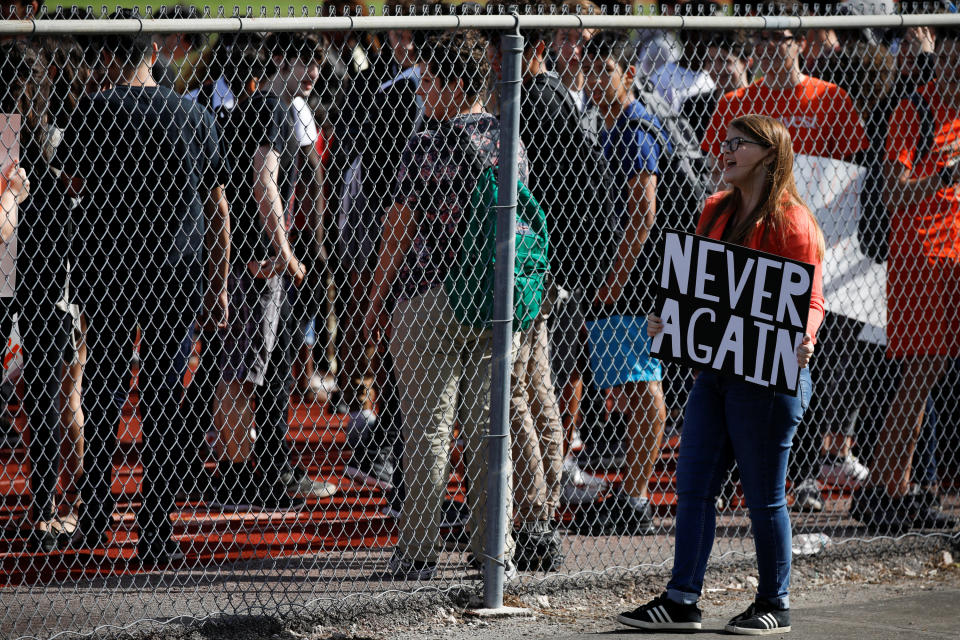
<point>873,227</point>
<point>684,182</point>
<point>469,283</point>
<point>585,228</point>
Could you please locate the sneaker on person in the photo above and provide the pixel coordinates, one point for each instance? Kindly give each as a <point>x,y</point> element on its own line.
<point>235,488</point>
<point>390,511</point>
<point>632,516</point>
<point>663,614</point>
<point>807,497</point>
<point>843,471</point>
<point>157,552</point>
<point>576,442</point>
<point>373,467</point>
<point>572,474</point>
<point>539,547</point>
<point>359,426</point>
<point>610,458</point>
<point>891,515</point>
<point>403,569</point>
<point>863,502</point>
<point>573,495</point>
<point>455,514</point>
<point>300,485</point>
<point>277,496</point>
<point>760,619</point>
<point>927,511</point>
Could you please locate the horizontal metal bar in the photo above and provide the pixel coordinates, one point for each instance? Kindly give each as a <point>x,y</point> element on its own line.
<point>380,23</point>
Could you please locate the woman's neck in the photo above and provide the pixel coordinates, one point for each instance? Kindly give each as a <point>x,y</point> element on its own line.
<point>749,200</point>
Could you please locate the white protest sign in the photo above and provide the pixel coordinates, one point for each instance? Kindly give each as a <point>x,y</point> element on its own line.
<point>853,284</point>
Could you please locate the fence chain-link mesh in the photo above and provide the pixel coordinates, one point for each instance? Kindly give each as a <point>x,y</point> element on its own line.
<point>248,283</point>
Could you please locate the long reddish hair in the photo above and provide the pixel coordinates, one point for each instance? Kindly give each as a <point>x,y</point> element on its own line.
<point>779,190</point>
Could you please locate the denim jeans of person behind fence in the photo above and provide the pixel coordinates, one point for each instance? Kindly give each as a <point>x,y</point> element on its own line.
<point>727,417</point>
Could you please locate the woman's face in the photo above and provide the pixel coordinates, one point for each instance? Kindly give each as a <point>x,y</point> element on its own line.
<point>744,159</point>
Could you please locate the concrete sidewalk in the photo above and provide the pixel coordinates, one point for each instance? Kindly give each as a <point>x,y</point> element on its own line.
<point>925,614</point>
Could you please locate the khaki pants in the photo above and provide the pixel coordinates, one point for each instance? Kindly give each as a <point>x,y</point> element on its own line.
<point>536,428</point>
<point>443,376</point>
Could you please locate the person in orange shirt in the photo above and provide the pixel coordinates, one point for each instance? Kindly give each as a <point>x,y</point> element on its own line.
<point>820,116</point>
<point>727,418</point>
<point>923,286</point>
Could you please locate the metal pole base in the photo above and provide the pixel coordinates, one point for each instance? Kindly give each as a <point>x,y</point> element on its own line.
<point>500,612</point>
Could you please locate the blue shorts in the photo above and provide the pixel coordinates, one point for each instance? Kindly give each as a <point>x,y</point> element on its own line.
<point>620,352</point>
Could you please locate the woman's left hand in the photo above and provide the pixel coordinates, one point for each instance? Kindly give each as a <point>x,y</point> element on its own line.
<point>805,351</point>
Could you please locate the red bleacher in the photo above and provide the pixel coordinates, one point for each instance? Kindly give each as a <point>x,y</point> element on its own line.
<point>350,519</point>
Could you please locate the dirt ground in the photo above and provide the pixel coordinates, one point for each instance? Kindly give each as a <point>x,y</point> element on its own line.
<point>877,590</point>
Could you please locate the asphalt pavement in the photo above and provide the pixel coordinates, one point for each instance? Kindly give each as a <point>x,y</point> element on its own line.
<point>924,614</point>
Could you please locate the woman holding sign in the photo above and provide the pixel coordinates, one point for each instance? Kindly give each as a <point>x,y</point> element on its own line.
<point>727,417</point>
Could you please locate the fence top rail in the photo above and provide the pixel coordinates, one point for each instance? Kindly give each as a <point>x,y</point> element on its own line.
<point>506,22</point>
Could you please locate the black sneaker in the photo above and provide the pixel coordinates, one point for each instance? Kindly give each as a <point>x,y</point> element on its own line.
<point>401,568</point>
<point>273,495</point>
<point>89,535</point>
<point>235,487</point>
<point>45,541</point>
<point>864,501</point>
<point>663,614</point>
<point>159,552</point>
<point>807,497</point>
<point>629,519</point>
<point>539,547</point>
<point>593,518</point>
<point>760,619</point>
<point>928,513</point>
<point>372,467</point>
<point>300,485</point>
<point>891,515</point>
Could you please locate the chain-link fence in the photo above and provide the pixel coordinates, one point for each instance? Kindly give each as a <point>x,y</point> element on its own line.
<point>250,273</point>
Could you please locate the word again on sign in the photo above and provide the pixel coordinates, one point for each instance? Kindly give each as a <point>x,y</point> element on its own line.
<point>732,309</point>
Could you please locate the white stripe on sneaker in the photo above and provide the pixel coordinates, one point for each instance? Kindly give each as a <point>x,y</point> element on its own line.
<point>656,616</point>
<point>769,621</point>
<point>666,616</point>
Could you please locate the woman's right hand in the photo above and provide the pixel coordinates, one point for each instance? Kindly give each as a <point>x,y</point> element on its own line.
<point>654,325</point>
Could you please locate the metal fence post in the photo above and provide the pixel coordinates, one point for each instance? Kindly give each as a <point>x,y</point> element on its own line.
<point>498,472</point>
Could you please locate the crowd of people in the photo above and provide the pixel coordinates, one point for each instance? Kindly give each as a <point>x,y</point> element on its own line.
<point>238,191</point>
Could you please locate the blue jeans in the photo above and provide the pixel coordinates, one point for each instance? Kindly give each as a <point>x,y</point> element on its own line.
<point>728,418</point>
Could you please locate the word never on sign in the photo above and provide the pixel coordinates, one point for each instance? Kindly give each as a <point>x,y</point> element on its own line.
<point>732,309</point>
